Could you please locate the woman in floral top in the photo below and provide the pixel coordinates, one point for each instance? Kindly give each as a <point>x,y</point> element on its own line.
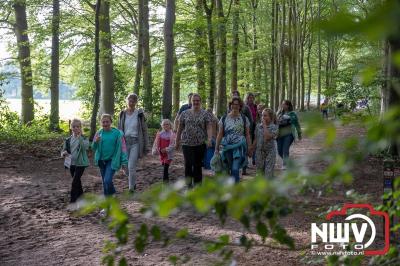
<point>194,132</point>
<point>265,143</point>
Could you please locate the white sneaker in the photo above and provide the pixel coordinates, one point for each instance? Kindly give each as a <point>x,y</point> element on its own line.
<point>103,213</point>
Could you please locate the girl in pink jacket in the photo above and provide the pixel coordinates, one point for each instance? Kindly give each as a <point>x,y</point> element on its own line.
<point>164,146</point>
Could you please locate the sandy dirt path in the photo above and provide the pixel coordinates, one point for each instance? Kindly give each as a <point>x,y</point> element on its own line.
<point>37,229</point>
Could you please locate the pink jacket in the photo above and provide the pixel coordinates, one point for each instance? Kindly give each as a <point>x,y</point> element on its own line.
<point>170,149</point>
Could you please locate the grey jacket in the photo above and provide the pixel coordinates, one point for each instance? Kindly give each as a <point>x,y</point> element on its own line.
<point>143,137</point>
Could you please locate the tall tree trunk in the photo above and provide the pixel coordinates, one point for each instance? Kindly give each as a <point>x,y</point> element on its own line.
<point>235,45</point>
<point>277,58</point>
<point>283,55</point>
<point>273,56</point>
<point>24,58</point>
<point>169,58</point>
<point>256,80</point>
<point>303,38</point>
<point>247,67</point>
<point>310,41</point>
<point>291,49</point>
<point>386,81</point>
<point>394,89</point>
<point>95,110</point>
<point>221,59</point>
<point>176,86</point>
<point>55,59</point>
<point>295,55</point>
<point>200,51</point>
<point>106,61</point>
<point>211,54</point>
<point>319,57</point>
<point>147,75</point>
<point>139,52</point>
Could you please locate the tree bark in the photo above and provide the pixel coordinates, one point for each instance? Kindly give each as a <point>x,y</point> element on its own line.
<point>319,57</point>
<point>176,86</point>
<point>95,110</point>
<point>106,61</point>
<point>386,78</point>
<point>169,58</point>
<point>147,75</point>
<point>273,56</point>
<point>200,51</point>
<point>221,59</point>
<point>235,45</point>
<point>211,54</point>
<point>55,63</point>
<point>24,58</point>
<point>394,89</point>
<point>256,80</point>
<point>139,51</point>
<point>310,41</point>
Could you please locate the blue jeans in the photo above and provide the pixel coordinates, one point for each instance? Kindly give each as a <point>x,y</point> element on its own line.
<point>208,155</point>
<point>107,174</point>
<point>234,165</point>
<point>284,143</point>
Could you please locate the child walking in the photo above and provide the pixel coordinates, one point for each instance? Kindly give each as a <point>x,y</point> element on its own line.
<point>164,146</point>
<point>75,146</point>
<point>265,143</point>
<point>110,152</point>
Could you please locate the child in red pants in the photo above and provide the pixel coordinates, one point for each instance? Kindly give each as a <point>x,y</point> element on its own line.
<point>164,146</point>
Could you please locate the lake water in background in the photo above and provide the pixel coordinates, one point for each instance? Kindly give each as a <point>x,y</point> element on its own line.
<point>68,108</point>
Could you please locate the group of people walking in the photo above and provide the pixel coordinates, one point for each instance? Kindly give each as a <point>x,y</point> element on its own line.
<point>247,130</point>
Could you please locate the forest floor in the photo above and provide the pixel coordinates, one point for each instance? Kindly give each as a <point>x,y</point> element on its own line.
<point>37,229</point>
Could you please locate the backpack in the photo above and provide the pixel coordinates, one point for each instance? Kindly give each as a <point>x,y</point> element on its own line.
<point>244,123</point>
<point>68,145</point>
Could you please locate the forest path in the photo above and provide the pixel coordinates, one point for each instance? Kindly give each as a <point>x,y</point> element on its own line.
<point>37,229</point>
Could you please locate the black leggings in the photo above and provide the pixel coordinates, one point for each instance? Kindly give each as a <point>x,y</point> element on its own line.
<point>194,156</point>
<point>76,188</point>
<point>166,176</point>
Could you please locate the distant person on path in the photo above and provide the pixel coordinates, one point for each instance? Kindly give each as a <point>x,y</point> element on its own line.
<point>324,109</point>
<point>246,111</point>
<point>265,143</point>
<point>184,107</point>
<point>164,146</point>
<point>289,130</point>
<point>110,152</point>
<point>194,132</point>
<point>260,109</point>
<point>250,103</point>
<point>132,123</point>
<point>210,150</point>
<point>76,147</point>
<point>234,136</point>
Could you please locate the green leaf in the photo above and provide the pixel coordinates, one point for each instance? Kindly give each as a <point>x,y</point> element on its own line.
<point>123,262</point>
<point>183,233</point>
<point>245,221</point>
<point>262,230</point>
<point>173,259</point>
<point>156,232</point>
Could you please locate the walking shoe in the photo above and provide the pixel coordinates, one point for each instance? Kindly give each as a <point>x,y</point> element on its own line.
<point>103,213</point>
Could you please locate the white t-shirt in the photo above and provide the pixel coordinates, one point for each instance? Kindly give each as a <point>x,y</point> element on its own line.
<point>131,124</point>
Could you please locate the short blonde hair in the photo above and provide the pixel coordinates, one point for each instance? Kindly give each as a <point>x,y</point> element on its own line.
<point>75,121</point>
<point>166,121</point>
<point>107,116</point>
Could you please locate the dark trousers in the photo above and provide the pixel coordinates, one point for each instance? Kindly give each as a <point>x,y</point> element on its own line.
<point>284,143</point>
<point>165,175</point>
<point>76,188</point>
<point>193,162</point>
